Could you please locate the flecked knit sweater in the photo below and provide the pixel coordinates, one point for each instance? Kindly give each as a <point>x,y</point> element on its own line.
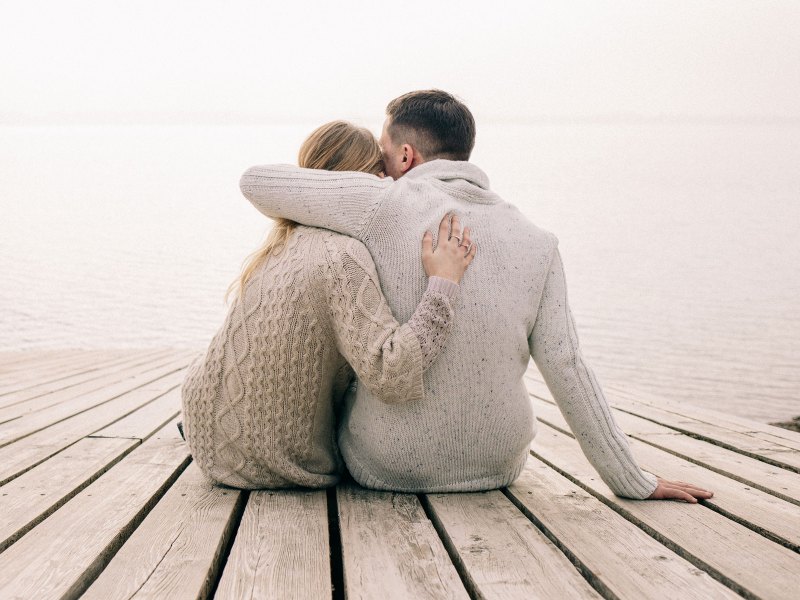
<point>473,429</point>
<point>258,405</point>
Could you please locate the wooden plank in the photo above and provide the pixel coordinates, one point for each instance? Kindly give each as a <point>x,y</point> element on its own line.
<point>38,402</point>
<point>32,497</point>
<point>620,559</point>
<point>33,369</point>
<point>281,550</point>
<point>143,421</point>
<point>39,372</point>
<point>14,360</point>
<point>62,555</point>
<point>500,553</point>
<point>766,514</point>
<point>15,394</point>
<point>390,549</point>
<point>26,453</point>
<point>734,554</point>
<point>177,550</point>
<point>723,420</point>
<point>778,451</point>
<point>750,471</point>
<point>747,444</point>
<point>31,423</point>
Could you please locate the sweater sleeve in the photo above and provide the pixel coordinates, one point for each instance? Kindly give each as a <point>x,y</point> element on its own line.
<point>342,201</point>
<point>555,349</point>
<point>389,358</point>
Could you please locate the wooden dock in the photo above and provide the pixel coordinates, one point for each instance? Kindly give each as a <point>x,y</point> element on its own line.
<point>99,499</point>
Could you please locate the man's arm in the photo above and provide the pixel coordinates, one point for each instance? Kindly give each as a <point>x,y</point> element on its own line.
<point>556,351</point>
<point>342,201</point>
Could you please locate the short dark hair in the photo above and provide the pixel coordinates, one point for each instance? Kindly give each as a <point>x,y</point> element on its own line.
<point>437,123</point>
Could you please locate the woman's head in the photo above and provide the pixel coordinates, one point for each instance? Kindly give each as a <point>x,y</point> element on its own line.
<point>336,146</point>
<point>341,146</point>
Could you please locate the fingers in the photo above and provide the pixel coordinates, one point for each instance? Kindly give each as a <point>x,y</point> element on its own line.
<point>689,488</point>
<point>678,490</point>
<point>473,249</point>
<point>466,240</point>
<point>455,229</point>
<point>444,227</point>
<point>427,244</point>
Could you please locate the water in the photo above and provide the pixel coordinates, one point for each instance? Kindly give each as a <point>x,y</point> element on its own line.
<point>680,241</point>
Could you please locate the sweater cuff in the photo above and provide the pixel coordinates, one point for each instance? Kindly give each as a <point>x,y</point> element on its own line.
<point>442,286</point>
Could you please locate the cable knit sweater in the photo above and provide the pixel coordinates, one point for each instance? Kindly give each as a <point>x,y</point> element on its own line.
<point>258,405</point>
<point>473,429</point>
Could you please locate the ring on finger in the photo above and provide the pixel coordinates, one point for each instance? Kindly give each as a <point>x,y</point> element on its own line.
<point>458,238</point>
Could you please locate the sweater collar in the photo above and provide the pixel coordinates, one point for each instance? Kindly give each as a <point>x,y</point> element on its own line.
<point>449,170</point>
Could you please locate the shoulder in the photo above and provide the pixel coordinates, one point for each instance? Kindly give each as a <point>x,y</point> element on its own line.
<point>344,249</point>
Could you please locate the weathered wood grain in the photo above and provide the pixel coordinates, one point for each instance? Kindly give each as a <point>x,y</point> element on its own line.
<point>618,558</point>
<point>56,379</point>
<point>61,556</point>
<point>57,386</point>
<point>37,371</point>
<point>30,498</point>
<point>773,517</point>
<point>13,362</point>
<point>769,478</point>
<point>729,551</point>
<point>26,453</point>
<point>175,553</point>
<point>143,421</point>
<point>500,553</point>
<point>390,548</point>
<point>31,423</point>
<point>282,548</point>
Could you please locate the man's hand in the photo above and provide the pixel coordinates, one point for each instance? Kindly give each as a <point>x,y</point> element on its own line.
<point>679,490</point>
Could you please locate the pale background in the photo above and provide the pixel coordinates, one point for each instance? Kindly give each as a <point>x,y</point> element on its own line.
<point>659,140</point>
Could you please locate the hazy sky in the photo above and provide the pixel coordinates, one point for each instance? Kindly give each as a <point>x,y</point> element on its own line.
<point>348,58</point>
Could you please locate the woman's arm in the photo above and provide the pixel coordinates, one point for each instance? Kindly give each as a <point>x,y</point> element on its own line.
<point>341,201</point>
<point>389,358</point>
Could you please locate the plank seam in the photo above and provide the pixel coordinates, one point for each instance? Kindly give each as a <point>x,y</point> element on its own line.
<point>102,560</point>
<point>225,546</point>
<point>335,544</point>
<point>721,444</point>
<point>14,537</point>
<point>49,456</point>
<point>463,573</point>
<point>710,467</point>
<point>80,412</point>
<point>773,537</point>
<point>599,586</point>
<point>700,564</point>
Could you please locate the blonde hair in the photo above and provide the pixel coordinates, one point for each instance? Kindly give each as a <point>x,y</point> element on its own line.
<point>335,146</point>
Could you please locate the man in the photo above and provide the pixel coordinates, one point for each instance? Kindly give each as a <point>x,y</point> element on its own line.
<point>473,429</point>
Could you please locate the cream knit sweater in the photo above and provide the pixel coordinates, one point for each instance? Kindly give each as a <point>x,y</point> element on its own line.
<point>473,429</point>
<point>258,405</point>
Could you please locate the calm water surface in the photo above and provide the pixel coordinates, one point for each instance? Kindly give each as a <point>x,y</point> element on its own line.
<point>680,242</point>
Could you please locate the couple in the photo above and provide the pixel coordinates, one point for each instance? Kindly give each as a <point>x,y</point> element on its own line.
<point>439,404</point>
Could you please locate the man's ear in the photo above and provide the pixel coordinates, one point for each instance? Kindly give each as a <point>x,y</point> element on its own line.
<point>407,158</point>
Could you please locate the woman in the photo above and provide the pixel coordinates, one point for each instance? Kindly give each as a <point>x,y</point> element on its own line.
<point>258,406</point>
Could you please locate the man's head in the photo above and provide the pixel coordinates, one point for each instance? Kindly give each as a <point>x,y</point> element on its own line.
<point>425,125</point>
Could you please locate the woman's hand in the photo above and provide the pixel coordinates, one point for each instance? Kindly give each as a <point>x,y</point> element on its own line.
<point>678,490</point>
<point>454,250</point>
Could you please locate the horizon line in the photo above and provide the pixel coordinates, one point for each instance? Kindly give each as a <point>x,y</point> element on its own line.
<point>221,118</point>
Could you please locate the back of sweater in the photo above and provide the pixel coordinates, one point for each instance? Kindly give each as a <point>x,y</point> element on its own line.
<point>473,428</point>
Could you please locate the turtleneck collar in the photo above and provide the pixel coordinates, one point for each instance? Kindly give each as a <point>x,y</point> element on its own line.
<point>448,170</point>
